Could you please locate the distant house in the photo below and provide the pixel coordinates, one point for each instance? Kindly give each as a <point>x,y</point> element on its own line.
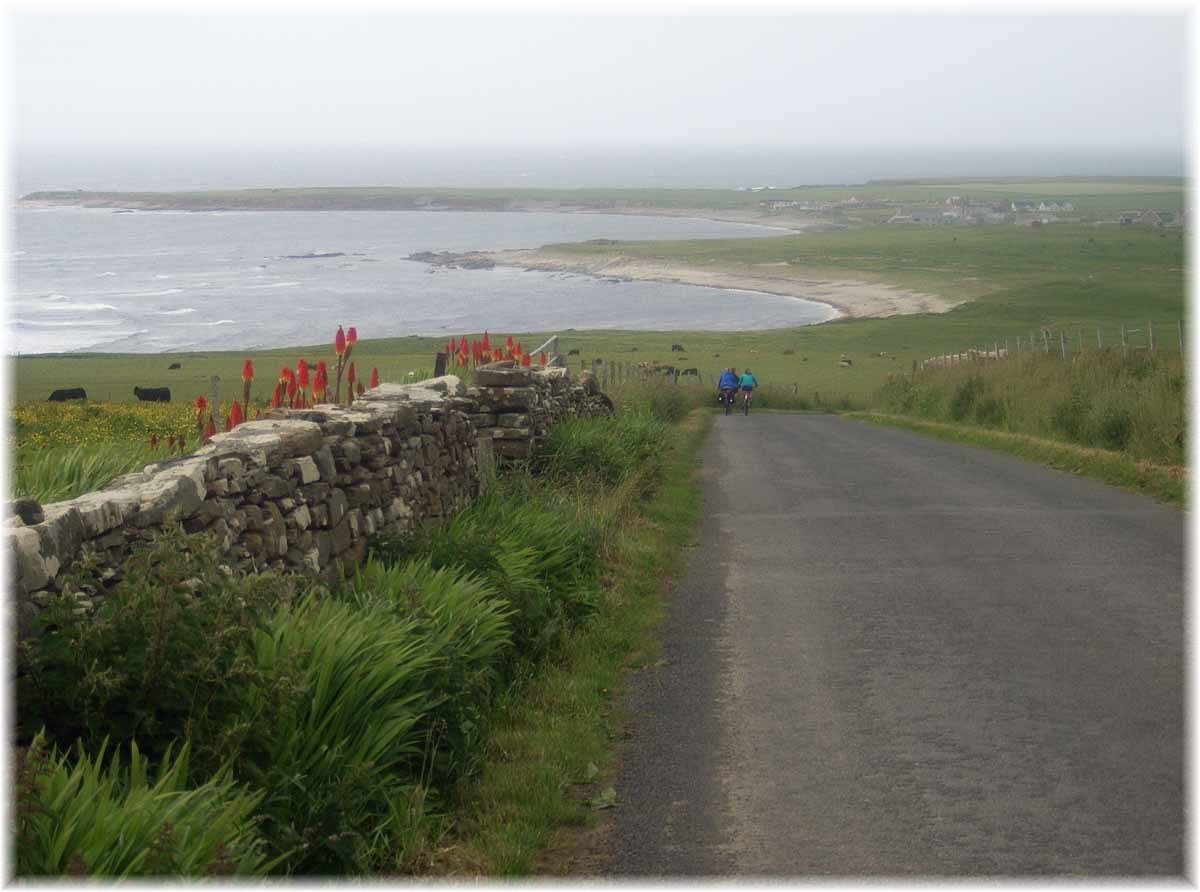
<point>1147,217</point>
<point>927,215</point>
<point>778,204</point>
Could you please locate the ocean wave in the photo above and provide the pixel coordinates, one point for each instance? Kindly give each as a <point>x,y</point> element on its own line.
<point>162,293</point>
<point>222,322</point>
<point>64,323</point>
<point>58,307</point>
<point>178,312</point>
<point>105,275</point>
<point>275,285</point>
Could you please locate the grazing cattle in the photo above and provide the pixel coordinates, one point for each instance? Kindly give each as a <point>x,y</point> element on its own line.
<point>153,394</point>
<point>69,393</point>
<point>572,353</point>
<point>174,365</point>
<point>677,348</point>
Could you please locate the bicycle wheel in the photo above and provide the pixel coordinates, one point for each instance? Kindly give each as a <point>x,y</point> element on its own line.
<point>746,405</point>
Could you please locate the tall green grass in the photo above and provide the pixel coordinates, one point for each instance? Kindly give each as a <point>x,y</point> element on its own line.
<point>607,450</point>
<point>83,815</point>
<point>1132,404</point>
<point>53,475</point>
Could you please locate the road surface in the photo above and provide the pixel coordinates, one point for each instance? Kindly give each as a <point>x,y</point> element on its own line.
<point>893,656</point>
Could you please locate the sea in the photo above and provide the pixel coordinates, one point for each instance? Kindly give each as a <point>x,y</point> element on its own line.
<point>104,280</point>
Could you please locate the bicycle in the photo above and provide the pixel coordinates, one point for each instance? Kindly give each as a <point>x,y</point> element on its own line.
<point>747,395</point>
<point>727,396</point>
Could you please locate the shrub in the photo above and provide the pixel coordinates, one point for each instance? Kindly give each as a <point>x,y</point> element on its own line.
<point>466,627</point>
<point>968,392</point>
<point>166,655</point>
<point>340,742</point>
<point>531,545</point>
<point>607,449</point>
<point>84,818</point>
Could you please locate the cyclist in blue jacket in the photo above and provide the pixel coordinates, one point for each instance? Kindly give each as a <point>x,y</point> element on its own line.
<point>729,380</point>
<point>747,382</point>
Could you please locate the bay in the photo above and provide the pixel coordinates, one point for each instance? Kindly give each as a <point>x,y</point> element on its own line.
<point>93,279</point>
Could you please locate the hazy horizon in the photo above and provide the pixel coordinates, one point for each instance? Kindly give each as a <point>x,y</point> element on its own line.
<point>174,170</point>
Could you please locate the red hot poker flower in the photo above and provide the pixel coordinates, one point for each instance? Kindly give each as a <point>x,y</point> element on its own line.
<point>374,377</point>
<point>236,416</point>
<point>201,405</point>
<point>525,360</point>
<point>351,336</point>
<point>248,371</point>
<point>285,375</point>
<point>542,359</point>
<point>276,397</point>
<point>350,374</point>
<point>302,374</point>
<point>339,342</point>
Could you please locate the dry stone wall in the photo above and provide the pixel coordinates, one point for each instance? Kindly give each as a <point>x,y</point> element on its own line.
<point>302,490</point>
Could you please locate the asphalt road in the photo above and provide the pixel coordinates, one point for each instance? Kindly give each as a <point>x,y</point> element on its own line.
<point>897,657</point>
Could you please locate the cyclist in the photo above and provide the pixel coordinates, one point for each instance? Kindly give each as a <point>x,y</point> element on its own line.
<point>727,386</point>
<point>747,382</point>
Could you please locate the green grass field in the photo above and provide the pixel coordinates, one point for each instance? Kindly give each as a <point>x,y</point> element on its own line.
<point>1089,195</point>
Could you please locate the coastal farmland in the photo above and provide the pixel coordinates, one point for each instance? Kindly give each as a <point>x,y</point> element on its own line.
<point>1012,281</point>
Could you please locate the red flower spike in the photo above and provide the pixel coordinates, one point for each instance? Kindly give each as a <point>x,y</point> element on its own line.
<point>374,377</point>
<point>248,371</point>
<point>351,336</point>
<point>361,390</point>
<point>201,404</point>
<point>209,430</point>
<point>525,360</point>
<point>339,342</point>
<point>350,374</point>
<point>236,416</point>
<point>302,374</point>
<point>285,375</point>
<point>542,358</point>
<point>509,342</point>
<point>276,397</point>
<point>154,441</point>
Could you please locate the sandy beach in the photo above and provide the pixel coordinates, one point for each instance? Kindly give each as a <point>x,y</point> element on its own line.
<point>850,297</point>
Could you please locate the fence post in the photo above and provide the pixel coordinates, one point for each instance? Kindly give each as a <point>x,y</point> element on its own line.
<point>1018,348</point>
<point>1046,340</point>
<point>1099,346</point>
<point>1150,334</point>
<point>1124,343</point>
<point>1081,340</point>
<point>1180,324</point>
<point>1062,339</point>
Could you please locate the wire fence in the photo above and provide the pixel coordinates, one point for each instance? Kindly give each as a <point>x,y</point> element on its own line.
<point>1068,342</point>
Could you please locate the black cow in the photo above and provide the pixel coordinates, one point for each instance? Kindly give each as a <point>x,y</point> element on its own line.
<point>70,393</point>
<point>174,365</point>
<point>572,353</point>
<point>153,394</point>
<point>677,348</point>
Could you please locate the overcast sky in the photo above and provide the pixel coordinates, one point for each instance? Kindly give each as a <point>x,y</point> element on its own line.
<point>356,76</point>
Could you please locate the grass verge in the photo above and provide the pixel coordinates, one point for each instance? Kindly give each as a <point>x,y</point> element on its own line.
<point>550,751</point>
<point>1167,483</point>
